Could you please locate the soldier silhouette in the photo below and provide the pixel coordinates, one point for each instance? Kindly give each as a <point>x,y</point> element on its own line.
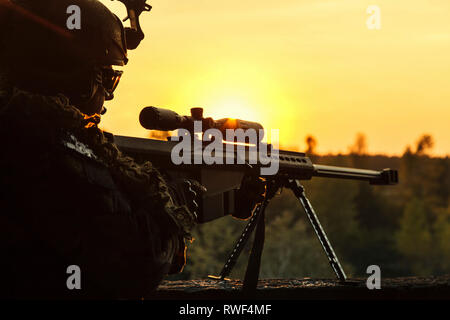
<point>68,196</point>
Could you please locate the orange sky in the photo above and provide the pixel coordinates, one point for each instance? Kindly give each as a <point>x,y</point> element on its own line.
<point>303,67</point>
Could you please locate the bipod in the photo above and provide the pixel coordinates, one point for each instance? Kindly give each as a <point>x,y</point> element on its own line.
<point>258,220</point>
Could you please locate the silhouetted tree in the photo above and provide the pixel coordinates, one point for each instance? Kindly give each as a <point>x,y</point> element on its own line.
<point>424,144</point>
<point>311,143</point>
<point>360,145</point>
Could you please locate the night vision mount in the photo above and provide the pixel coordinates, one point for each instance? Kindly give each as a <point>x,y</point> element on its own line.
<point>134,33</point>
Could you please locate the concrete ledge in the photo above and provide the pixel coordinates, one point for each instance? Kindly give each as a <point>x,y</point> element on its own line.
<point>420,288</point>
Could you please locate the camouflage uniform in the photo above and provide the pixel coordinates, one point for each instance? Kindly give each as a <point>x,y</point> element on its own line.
<point>69,197</point>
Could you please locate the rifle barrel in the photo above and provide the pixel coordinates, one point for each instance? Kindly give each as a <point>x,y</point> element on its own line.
<point>383,177</point>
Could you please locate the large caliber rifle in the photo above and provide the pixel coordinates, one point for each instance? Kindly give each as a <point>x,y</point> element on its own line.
<point>223,181</point>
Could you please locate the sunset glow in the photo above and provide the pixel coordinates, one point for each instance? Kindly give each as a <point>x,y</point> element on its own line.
<point>303,67</point>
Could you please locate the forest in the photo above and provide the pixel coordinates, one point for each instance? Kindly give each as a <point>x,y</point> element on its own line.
<point>404,229</point>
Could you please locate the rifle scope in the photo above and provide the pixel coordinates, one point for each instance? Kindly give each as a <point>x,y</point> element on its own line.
<point>153,118</point>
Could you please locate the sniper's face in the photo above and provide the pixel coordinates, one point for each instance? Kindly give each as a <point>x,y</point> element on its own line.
<point>95,104</point>
<point>104,83</point>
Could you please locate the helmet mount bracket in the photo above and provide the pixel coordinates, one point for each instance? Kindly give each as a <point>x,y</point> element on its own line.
<point>134,33</point>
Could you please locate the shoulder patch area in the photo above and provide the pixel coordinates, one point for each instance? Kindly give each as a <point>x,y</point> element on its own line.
<point>71,142</point>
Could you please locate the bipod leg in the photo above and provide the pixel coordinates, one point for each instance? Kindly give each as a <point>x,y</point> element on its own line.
<point>243,239</point>
<point>299,192</point>
<point>254,262</point>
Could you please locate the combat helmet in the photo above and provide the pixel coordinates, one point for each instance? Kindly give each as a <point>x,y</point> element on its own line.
<point>43,52</point>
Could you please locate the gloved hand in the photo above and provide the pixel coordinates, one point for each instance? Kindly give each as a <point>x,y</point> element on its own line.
<point>250,194</point>
<point>186,192</point>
